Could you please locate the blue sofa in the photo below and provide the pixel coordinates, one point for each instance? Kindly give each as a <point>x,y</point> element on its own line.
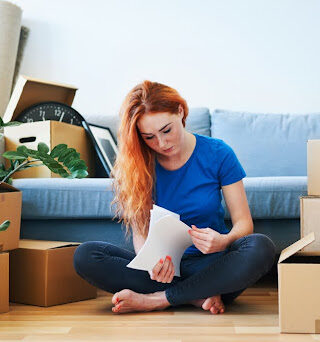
<point>271,148</point>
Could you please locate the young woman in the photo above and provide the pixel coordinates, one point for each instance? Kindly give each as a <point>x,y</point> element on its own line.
<point>161,162</point>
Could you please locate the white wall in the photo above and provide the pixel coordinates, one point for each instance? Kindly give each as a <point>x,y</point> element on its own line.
<point>232,54</point>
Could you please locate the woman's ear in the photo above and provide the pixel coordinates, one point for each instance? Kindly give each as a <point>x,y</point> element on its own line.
<point>180,111</point>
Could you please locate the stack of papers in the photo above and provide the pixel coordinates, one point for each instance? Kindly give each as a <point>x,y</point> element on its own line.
<point>167,236</point>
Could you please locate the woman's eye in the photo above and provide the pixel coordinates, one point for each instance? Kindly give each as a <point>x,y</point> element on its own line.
<point>167,131</point>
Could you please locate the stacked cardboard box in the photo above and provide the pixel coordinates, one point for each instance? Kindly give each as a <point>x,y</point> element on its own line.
<point>4,282</point>
<point>299,264</point>
<point>10,210</point>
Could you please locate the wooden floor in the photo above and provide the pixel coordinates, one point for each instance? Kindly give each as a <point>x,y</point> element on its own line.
<point>252,317</point>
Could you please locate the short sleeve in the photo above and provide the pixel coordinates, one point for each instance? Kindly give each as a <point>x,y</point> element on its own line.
<point>230,170</point>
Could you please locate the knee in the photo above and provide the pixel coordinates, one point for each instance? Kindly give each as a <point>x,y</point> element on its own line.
<point>263,249</point>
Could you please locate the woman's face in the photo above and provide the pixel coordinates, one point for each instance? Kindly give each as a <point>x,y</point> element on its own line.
<point>162,132</point>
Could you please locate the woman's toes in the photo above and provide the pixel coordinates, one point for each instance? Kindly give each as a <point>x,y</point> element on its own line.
<point>207,303</point>
<point>214,310</point>
<point>115,298</point>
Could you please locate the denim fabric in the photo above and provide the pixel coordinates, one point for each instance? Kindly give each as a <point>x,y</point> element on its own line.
<point>227,273</point>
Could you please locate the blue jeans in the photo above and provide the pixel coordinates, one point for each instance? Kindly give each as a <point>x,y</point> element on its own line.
<point>226,273</point>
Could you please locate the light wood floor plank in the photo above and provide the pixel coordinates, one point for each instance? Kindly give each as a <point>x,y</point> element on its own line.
<point>252,317</point>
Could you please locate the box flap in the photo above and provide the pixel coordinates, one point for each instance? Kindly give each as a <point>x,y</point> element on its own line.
<point>44,244</point>
<point>5,187</point>
<point>295,247</point>
<point>29,91</point>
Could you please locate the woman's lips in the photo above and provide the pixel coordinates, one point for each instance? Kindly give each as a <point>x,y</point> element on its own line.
<point>169,149</point>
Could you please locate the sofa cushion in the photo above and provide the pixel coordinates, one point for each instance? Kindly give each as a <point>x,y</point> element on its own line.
<point>267,144</point>
<point>274,197</point>
<point>60,198</point>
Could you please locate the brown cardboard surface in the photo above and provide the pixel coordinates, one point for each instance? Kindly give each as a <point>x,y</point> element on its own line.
<point>298,287</point>
<point>44,244</point>
<point>44,275</point>
<point>29,91</point>
<point>51,133</point>
<point>10,209</point>
<point>4,282</point>
<point>297,246</point>
<point>310,222</point>
<point>313,157</point>
<point>299,300</point>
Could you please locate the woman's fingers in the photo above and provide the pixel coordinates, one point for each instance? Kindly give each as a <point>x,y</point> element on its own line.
<point>156,270</point>
<point>164,270</point>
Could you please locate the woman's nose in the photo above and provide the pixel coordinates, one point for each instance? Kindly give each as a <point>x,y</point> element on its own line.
<point>161,142</point>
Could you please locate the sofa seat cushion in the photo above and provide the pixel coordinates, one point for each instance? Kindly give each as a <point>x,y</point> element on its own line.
<point>274,197</point>
<point>59,198</point>
<point>88,198</point>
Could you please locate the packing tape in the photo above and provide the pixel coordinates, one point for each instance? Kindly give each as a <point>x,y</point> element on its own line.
<point>317,326</point>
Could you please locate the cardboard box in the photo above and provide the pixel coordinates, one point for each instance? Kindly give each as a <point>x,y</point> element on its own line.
<point>42,273</point>
<point>51,133</point>
<point>299,284</point>
<point>10,209</point>
<point>313,156</point>
<point>27,92</point>
<point>310,222</point>
<point>4,282</point>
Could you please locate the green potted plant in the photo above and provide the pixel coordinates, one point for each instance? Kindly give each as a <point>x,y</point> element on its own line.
<point>62,160</point>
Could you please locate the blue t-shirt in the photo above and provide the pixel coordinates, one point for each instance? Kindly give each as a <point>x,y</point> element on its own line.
<point>194,190</point>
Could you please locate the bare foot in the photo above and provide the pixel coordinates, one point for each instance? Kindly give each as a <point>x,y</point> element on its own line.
<point>214,304</point>
<point>130,301</point>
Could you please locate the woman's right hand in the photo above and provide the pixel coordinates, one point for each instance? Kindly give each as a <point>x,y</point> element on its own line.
<point>163,271</point>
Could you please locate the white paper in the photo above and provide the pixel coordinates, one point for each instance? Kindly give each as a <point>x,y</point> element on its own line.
<point>167,236</point>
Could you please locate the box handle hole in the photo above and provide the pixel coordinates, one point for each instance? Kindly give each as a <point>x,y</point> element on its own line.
<point>28,139</point>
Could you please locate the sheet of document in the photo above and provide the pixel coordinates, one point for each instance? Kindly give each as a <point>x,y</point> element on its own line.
<point>167,236</point>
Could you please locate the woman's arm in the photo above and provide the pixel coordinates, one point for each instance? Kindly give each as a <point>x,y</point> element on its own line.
<point>208,240</point>
<point>237,204</point>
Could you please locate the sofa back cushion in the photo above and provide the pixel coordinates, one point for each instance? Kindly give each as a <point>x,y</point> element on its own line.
<point>199,121</point>
<point>267,144</point>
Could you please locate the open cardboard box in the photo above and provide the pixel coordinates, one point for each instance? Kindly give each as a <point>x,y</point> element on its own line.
<point>42,273</point>
<point>10,209</point>
<point>27,92</point>
<point>4,282</point>
<point>299,284</point>
<point>313,157</point>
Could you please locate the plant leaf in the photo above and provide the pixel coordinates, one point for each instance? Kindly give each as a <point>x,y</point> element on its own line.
<point>43,148</point>
<point>57,150</point>
<point>12,123</point>
<point>4,226</point>
<point>23,150</point>
<point>14,155</point>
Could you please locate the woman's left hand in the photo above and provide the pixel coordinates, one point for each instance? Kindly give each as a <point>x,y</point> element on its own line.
<point>208,240</point>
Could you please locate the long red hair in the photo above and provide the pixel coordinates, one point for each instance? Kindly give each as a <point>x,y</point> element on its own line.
<point>134,167</point>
